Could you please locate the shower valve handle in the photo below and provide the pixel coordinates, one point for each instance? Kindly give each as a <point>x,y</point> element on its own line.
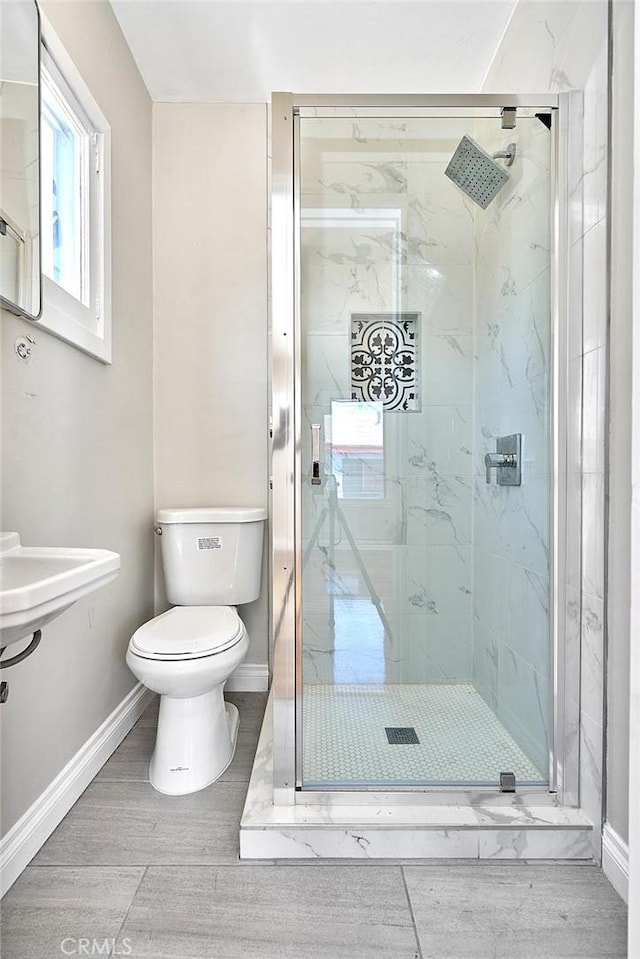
<point>498,461</point>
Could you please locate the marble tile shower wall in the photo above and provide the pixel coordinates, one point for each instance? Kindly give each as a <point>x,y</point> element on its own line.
<point>571,53</point>
<point>511,524</point>
<point>384,231</point>
<point>588,357</point>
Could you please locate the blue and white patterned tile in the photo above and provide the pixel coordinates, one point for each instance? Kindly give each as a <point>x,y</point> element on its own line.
<point>385,360</point>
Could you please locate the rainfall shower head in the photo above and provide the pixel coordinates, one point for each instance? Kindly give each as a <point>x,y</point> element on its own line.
<point>476,172</point>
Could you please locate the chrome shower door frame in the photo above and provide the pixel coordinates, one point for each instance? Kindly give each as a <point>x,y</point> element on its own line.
<point>286,552</point>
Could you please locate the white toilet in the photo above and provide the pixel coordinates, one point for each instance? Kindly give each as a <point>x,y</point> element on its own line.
<point>212,561</point>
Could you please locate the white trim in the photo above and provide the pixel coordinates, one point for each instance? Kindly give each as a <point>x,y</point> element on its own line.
<point>615,860</point>
<point>86,327</point>
<point>249,678</point>
<point>634,697</point>
<point>23,841</point>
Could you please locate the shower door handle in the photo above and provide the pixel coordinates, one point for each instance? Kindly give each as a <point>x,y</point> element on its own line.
<point>315,454</point>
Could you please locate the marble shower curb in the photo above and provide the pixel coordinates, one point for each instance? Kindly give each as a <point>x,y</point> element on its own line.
<point>337,831</point>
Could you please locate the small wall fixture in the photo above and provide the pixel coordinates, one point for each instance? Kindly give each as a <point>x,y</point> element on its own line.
<point>506,461</point>
<point>508,115</point>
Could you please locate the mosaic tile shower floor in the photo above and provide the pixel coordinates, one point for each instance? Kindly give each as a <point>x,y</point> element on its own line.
<point>461,740</point>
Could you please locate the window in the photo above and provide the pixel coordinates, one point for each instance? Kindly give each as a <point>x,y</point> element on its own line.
<point>74,208</point>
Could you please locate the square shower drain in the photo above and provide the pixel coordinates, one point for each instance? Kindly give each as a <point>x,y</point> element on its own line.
<point>401,735</point>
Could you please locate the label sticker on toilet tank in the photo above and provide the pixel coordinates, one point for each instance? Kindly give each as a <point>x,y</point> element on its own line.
<point>209,542</point>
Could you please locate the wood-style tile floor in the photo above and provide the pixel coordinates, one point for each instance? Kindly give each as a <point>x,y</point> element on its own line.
<point>130,872</point>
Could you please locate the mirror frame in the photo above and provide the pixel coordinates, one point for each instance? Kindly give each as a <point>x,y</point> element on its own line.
<point>4,302</point>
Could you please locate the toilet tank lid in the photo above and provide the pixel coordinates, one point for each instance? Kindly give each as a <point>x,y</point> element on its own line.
<point>213,514</point>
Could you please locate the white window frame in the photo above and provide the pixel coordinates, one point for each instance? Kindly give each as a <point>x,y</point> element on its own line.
<point>87,327</point>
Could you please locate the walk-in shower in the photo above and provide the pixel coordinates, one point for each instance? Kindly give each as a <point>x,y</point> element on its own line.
<point>413,493</point>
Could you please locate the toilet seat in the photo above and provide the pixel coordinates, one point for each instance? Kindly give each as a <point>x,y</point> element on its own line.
<point>188,632</point>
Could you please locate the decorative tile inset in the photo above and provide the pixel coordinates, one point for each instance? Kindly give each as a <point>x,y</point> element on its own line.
<point>384,359</point>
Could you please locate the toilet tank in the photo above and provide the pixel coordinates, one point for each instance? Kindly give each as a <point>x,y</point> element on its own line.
<point>212,557</point>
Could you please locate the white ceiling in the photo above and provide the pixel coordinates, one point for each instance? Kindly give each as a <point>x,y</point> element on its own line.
<point>232,50</point>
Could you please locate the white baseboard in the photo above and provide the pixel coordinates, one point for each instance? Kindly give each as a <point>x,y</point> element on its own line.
<point>23,841</point>
<point>615,861</point>
<point>249,678</point>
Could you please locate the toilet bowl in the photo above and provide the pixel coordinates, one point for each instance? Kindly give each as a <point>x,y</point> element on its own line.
<point>187,653</point>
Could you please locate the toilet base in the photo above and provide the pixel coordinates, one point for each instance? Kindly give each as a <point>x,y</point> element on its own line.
<point>195,742</point>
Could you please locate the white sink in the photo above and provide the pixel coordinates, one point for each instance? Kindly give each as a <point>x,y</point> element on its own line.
<point>39,583</point>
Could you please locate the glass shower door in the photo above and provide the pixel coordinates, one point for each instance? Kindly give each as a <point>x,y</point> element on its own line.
<point>424,343</point>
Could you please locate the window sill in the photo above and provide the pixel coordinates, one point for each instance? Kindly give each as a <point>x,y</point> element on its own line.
<point>70,321</point>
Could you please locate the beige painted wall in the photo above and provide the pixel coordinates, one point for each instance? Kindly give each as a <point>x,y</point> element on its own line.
<point>77,448</point>
<point>210,314</point>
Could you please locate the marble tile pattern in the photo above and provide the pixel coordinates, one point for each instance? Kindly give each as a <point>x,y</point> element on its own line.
<point>465,825</point>
<point>511,640</point>
<point>571,55</point>
<point>592,246</point>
